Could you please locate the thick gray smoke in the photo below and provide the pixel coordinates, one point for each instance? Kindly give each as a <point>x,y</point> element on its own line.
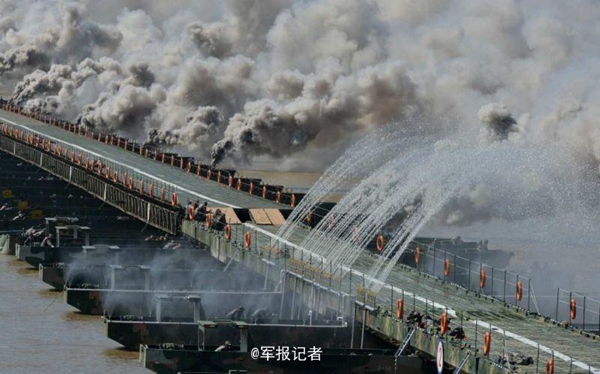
<point>297,81</point>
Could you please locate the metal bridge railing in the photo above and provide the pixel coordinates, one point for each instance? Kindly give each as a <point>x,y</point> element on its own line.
<point>386,301</point>
<point>578,311</point>
<point>163,217</point>
<point>255,187</point>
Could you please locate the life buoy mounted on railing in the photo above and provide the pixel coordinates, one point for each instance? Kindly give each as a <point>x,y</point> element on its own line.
<point>417,255</point>
<point>293,200</point>
<point>228,231</point>
<point>487,343</point>
<point>141,186</point>
<point>162,194</point>
<point>573,309</point>
<point>400,306</point>
<point>446,267</point>
<point>191,213</point>
<point>130,184</point>
<point>208,174</point>
<point>550,366</point>
<point>519,290</point>
<point>151,190</point>
<point>278,196</point>
<point>219,176</point>
<point>251,188</point>
<point>247,240</point>
<point>116,177</point>
<point>482,278</point>
<point>239,184</point>
<point>443,323</point>
<point>264,192</point>
<point>230,181</point>
<point>174,199</point>
<point>380,243</point>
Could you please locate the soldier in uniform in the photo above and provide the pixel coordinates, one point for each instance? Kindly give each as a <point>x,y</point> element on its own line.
<point>225,347</point>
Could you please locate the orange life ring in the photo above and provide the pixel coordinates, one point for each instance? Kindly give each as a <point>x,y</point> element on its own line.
<point>230,181</point>
<point>482,278</point>
<point>191,212</point>
<point>124,180</point>
<point>151,190</point>
<point>162,194</point>
<point>487,341</point>
<point>107,173</point>
<point>264,192</point>
<point>173,198</point>
<point>278,196</point>
<point>550,366</point>
<point>208,221</point>
<point>247,240</point>
<point>251,188</point>
<point>239,184</point>
<point>380,243</point>
<point>181,163</point>
<point>519,290</point>
<point>172,160</point>
<point>228,232</point>
<point>219,176</point>
<point>208,174</point>
<point>573,306</point>
<point>293,200</point>
<point>400,311</point>
<point>141,186</point>
<point>444,323</point>
<point>130,184</point>
<point>446,267</point>
<point>417,255</point>
<point>116,177</point>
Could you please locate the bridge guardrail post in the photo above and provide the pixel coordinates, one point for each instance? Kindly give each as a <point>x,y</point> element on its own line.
<point>557,299</point>
<point>583,315</point>
<point>528,294</point>
<point>469,278</point>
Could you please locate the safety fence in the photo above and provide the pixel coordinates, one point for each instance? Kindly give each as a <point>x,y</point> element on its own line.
<point>504,285</point>
<point>130,201</point>
<point>397,306</point>
<point>578,311</point>
<point>225,177</point>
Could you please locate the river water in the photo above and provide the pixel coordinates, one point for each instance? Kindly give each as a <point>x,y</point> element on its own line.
<point>42,334</point>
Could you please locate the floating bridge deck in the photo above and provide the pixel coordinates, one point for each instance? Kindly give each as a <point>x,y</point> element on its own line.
<point>512,329</point>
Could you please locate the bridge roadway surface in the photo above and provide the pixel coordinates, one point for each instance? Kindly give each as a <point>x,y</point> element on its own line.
<point>512,331</point>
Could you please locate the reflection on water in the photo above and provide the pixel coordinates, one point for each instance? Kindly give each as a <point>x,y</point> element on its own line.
<point>41,334</point>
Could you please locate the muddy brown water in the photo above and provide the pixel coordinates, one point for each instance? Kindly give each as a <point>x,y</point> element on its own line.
<point>42,334</point>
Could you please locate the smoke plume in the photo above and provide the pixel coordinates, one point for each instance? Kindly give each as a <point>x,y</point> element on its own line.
<point>296,81</point>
